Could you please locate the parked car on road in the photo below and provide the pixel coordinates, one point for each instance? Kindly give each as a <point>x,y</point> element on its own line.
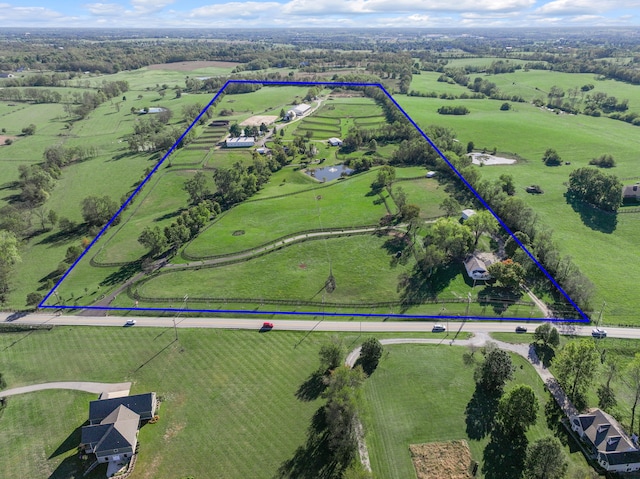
<point>130,322</point>
<point>521,329</point>
<point>438,328</point>
<point>267,325</point>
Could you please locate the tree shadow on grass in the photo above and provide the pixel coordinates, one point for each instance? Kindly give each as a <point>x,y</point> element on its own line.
<point>504,455</point>
<point>314,460</point>
<point>545,353</point>
<point>73,466</point>
<point>500,299</point>
<point>480,413</point>
<point>64,236</point>
<point>312,387</point>
<point>420,287</point>
<point>123,274</point>
<point>592,217</point>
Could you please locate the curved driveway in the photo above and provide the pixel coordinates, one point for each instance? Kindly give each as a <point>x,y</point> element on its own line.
<point>97,388</point>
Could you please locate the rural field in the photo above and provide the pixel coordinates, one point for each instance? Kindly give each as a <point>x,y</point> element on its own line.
<point>601,245</point>
<point>246,395</point>
<point>216,269</point>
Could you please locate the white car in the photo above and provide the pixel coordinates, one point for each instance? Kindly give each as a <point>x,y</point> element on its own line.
<point>438,328</point>
<point>599,333</point>
<point>130,322</point>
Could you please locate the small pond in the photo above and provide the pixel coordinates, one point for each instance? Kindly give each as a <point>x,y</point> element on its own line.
<point>328,173</point>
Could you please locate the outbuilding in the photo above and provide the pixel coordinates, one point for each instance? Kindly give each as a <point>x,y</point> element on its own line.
<point>240,142</point>
<point>335,141</point>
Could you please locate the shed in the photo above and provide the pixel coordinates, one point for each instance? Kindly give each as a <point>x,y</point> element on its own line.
<point>468,213</point>
<point>431,174</point>
<point>335,141</point>
<point>631,194</point>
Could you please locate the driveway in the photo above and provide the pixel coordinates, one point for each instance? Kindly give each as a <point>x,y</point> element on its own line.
<point>97,388</point>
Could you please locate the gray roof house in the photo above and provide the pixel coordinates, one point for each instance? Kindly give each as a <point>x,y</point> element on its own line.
<point>112,433</point>
<point>142,404</point>
<point>610,445</point>
<point>476,265</point>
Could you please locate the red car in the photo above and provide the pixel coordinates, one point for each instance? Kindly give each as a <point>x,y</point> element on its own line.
<point>267,325</point>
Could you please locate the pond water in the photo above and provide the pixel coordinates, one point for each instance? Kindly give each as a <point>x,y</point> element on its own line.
<point>328,173</point>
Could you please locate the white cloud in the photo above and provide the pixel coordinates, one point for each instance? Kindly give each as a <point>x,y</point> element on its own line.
<point>10,13</point>
<point>328,7</point>
<point>105,9</point>
<point>231,10</point>
<point>149,6</point>
<point>585,7</point>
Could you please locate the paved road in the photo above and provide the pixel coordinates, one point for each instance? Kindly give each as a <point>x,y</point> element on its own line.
<point>97,388</point>
<point>312,323</point>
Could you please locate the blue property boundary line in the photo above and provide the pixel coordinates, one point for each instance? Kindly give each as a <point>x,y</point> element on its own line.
<point>585,318</point>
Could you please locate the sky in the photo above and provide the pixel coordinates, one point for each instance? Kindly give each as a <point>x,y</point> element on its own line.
<point>319,13</point>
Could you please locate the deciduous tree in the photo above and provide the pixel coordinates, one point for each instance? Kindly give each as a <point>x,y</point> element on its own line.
<point>576,367</point>
<point>545,460</point>
<point>517,410</point>
<point>496,369</point>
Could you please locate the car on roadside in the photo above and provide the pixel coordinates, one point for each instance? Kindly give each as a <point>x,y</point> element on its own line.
<point>266,326</point>
<point>521,329</point>
<point>130,322</point>
<point>438,328</point>
<point>599,333</point>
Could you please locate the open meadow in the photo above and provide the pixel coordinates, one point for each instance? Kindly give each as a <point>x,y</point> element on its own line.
<point>601,245</point>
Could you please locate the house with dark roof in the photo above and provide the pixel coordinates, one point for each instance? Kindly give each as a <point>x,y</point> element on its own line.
<point>114,439</point>
<point>112,433</point>
<point>631,194</point>
<point>142,404</point>
<point>608,442</point>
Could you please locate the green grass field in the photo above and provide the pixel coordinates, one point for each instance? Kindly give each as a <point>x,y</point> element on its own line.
<point>342,204</point>
<point>528,132</point>
<point>233,391</point>
<point>215,385</point>
<point>419,394</point>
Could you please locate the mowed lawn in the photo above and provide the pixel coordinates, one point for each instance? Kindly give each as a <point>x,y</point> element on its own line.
<point>229,406</point>
<point>361,266</point>
<point>343,204</point>
<point>419,394</point>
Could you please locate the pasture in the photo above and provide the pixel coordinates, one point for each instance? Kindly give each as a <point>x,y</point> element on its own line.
<point>527,132</point>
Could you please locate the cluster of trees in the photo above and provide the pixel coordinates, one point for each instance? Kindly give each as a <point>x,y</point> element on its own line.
<point>182,230</point>
<point>516,411</point>
<point>9,257</point>
<point>448,240</point>
<point>344,397</point>
<point>599,189</point>
<point>453,110</point>
<point>603,161</point>
<point>153,134</point>
<point>241,181</point>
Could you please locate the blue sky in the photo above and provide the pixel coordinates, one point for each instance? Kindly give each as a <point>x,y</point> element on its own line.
<point>319,13</point>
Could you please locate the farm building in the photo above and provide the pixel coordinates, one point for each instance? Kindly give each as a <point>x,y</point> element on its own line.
<point>476,265</point>
<point>240,142</point>
<point>335,141</point>
<point>609,444</point>
<point>151,111</point>
<point>297,111</point>
<point>466,214</point>
<point>431,174</point>
<point>631,194</point>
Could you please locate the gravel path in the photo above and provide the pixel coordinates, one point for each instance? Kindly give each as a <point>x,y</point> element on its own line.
<point>97,388</point>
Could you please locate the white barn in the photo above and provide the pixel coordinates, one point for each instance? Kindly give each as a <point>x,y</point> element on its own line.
<point>240,142</point>
<point>297,111</point>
